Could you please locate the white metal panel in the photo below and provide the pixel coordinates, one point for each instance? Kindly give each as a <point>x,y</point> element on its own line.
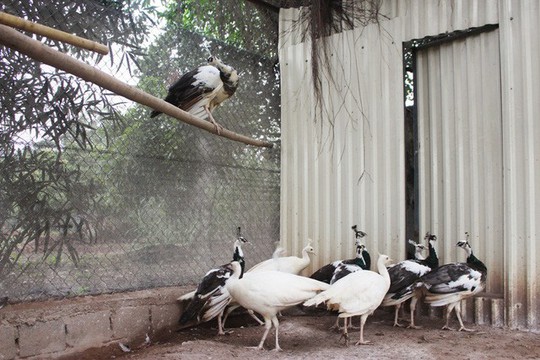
<point>520,51</point>
<point>326,189</point>
<point>346,177</point>
<point>461,170</point>
<point>353,172</point>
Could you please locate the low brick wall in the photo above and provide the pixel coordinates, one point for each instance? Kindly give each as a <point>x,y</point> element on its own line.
<point>57,328</point>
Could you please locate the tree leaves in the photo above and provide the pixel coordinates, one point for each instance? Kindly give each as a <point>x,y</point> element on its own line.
<point>45,198</point>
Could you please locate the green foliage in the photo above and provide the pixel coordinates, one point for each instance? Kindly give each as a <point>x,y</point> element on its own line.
<point>82,167</point>
<point>233,22</point>
<point>172,174</point>
<point>43,203</point>
<point>47,198</point>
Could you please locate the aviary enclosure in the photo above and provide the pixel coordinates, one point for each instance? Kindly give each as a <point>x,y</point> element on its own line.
<point>97,197</point>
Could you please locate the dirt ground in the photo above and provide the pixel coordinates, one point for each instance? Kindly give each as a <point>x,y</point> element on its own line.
<point>310,337</point>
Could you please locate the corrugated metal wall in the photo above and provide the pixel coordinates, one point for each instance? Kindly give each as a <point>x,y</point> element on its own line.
<point>460,156</point>
<point>352,172</point>
<point>460,152</point>
<point>520,71</point>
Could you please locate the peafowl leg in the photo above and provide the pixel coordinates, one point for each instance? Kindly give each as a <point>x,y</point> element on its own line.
<point>449,309</point>
<point>275,321</point>
<point>345,322</point>
<point>220,324</point>
<point>252,314</point>
<point>396,316</point>
<point>458,314</point>
<point>267,326</point>
<point>414,300</point>
<point>212,120</point>
<point>228,311</point>
<point>345,333</point>
<point>336,325</point>
<point>402,311</point>
<point>363,319</point>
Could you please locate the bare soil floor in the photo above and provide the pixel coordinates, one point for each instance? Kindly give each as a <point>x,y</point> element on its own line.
<point>310,337</point>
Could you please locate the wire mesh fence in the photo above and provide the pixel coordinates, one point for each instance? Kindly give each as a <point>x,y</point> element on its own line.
<point>96,196</point>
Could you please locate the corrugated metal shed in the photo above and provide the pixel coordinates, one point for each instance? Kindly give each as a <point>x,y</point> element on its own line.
<point>479,142</point>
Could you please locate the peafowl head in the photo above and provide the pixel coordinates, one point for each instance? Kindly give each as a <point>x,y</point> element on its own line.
<point>227,71</point>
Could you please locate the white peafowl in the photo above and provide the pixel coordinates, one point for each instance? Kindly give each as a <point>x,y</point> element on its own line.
<point>403,276</point>
<point>201,90</point>
<point>287,264</point>
<point>278,252</point>
<point>358,293</point>
<point>211,296</point>
<point>334,271</point>
<point>451,283</point>
<point>268,292</point>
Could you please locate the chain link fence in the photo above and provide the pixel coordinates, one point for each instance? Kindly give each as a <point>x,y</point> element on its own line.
<point>96,196</point>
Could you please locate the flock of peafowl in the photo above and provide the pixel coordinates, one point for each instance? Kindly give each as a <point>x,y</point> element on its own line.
<point>346,286</point>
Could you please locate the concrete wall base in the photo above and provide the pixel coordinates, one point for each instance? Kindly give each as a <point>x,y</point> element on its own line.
<point>58,328</point>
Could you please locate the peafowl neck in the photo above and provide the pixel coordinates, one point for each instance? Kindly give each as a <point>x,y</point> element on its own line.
<point>362,258</point>
<point>238,255</point>
<point>432,260</point>
<point>237,268</point>
<point>305,255</point>
<point>383,271</point>
<point>476,264</point>
<point>367,260</point>
<point>242,267</point>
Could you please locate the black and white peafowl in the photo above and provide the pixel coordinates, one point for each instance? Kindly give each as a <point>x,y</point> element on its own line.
<point>330,273</point>
<point>403,276</point>
<point>202,89</point>
<point>211,296</point>
<point>334,271</point>
<point>451,283</point>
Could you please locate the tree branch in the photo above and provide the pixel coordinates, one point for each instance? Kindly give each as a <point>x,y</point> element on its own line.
<point>43,53</point>
<point>22,24</point>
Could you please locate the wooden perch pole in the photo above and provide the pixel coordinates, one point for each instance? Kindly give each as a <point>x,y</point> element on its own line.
<point>22,24</point>
<point>40,52</point>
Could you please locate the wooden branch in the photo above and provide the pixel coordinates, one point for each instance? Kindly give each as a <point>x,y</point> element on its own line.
<point>22,24</point>
<point>40,52</point>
